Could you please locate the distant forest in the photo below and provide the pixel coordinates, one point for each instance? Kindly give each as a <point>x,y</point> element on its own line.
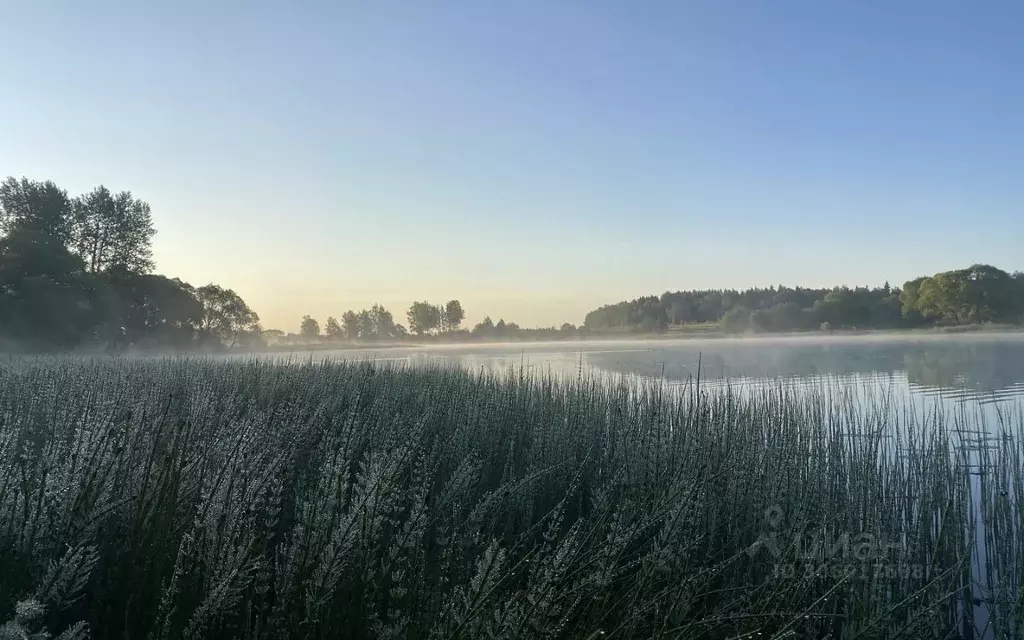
<point>76,274</point>
<point>979,294</point>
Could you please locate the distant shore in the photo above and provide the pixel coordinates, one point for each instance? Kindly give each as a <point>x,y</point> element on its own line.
<point>666,336</point>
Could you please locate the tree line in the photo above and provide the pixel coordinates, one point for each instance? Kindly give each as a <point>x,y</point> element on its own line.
<point>425,321</point>
<point>979,294</point>
<point>76,273</point>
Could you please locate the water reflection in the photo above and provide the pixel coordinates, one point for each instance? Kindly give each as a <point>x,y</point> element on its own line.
<point>982,368</point>
<point>979,368</point>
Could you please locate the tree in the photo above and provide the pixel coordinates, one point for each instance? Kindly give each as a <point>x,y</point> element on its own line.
<point>736,320</point>
<point>423,318</point>
<point>1018,288</point>
<point>679,312</point>
<point>787,316</point>
<point>332,329</point>
<point>151,310</point>
<point>225,315</point>
<point>655,323</point>
<point>979,293</point>
<point>253,339</point>
<point>310,328</point>
<point>113,232</point>
<point>75,272</point>
<point>273,336</point>
<point>46,303</point>
<point>45,315</point>
<point>484,328</point>
<point>366,328</point>
<point>27,252</point>
<point>382,322</point>
<point>41,208</point>
<point>350,324</point>
<point>453,315</point>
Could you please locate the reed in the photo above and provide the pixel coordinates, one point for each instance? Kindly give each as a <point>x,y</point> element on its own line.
<point>188,497</point>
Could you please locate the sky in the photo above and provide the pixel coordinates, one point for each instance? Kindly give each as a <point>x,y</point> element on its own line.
<point>532,158</point>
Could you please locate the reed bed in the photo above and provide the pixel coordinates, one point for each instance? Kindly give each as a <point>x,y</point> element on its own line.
<point>201,498</point>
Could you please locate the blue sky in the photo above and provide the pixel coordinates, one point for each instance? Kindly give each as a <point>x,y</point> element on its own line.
<point>532,158</point>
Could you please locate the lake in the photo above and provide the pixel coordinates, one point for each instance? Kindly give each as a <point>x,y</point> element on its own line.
<point>978,368</point>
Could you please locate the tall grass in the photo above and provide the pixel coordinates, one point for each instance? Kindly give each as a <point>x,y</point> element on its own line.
<point>244,499</point>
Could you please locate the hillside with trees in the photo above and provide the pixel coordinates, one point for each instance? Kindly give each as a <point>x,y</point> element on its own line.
<point>979,294</point>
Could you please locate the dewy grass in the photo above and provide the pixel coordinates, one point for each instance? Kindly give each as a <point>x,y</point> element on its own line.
<point>245,499</point>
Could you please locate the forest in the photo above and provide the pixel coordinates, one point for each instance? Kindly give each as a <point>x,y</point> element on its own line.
<point>979,294</point>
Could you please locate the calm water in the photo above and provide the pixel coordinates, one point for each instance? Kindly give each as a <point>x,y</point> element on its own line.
<point>981,369</point>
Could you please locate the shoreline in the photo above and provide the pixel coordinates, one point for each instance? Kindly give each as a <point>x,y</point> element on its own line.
<point>665,337</point>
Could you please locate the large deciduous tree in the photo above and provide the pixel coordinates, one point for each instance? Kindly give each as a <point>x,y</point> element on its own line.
<point>226,317</point>
<point>423,318</point>
<point>977,294</point>
<point>40,210</point>
<point>309,329</point>
<point>382,322</point>
<point>350,324</point>
<point>332,330</point>
<point>453,315</point>
<point>113,232</point>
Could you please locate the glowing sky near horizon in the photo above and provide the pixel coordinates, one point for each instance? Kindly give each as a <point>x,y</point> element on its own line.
<point>534,159</point>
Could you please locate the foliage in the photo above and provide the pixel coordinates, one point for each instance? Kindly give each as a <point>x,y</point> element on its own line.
<point>196,498</point>
<point>150,310</point>
<point>75,275</point>
<point>350,324</point>
<point>978,294</point>
<point>484,327</point>
<point>332,330</point>
<point>113,232</point>
<point>225,315</point>
<point>736,320</point>
<point>309,329</point>
<point>423,318</point>
<point>452,316</point>
<point>375,323</point>
<point>41,208</point>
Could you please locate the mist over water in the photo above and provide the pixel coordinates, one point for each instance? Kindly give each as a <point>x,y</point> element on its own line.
<point>982,369</point>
